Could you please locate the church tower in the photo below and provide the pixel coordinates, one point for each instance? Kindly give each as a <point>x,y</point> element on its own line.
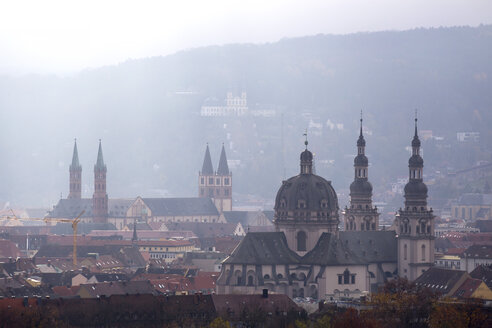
<point>223,181</point>
<point>100,197</point>
<point>206,177</point>
<point>361,216</point>
<point>75,175</point>
<point>415,223</point>
<point>216,185</point>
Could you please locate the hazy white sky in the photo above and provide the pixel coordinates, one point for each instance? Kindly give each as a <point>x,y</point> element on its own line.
<point>63,36</point>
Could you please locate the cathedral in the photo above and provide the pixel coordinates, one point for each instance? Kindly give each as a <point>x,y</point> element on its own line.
<point>307,255</point>
<point>98,209</point>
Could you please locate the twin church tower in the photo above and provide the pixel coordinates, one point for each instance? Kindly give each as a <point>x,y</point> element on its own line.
<point>100,197</point>
<point>414,224</point>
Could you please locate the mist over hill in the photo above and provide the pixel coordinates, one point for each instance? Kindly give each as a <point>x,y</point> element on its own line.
<point>147,113</point>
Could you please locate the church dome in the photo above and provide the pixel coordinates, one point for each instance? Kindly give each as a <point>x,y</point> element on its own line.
<point>415,187</point>
<point>306,192</point>
<point>361,186</point>
<point>306,156</point>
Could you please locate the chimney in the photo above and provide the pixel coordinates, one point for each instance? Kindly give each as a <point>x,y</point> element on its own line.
<point>265,293</point>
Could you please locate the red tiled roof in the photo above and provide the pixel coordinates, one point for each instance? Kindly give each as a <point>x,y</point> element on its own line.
<point>467,288</point>
<point>8,249</point>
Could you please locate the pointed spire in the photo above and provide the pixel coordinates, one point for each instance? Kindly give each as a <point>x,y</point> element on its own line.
<point>361,142</point>
<point>360,123</point>
<point>100,160</point>
<point>416,140</point>
<point>75,157</point>
<point>223,168</point>
<point>207,167</point>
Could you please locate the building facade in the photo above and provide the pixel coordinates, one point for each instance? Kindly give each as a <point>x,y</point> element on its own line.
<point>308,256</point>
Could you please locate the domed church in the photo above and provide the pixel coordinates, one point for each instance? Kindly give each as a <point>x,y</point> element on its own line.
<point>307,255</point>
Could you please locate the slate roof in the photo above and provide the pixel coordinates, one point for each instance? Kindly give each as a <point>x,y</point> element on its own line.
<point>71,208</point>
<point>332,251</point>
<point>204,229</point>
<point>237,216</point>
<point>441,280</point>
<point>223,168</point>
<point>207,167</point>
<point>483,273</point>
<point>479,252</point>
<point>371,246</point>
<point>263,248</point>
<point>181,206</point>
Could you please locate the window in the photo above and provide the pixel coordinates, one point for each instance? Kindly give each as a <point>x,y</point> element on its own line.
<point>301,241</point>
<point>405,252</point>
<point>470,213</point>
<point>346,277</point>
<point>217,181</point>
<point>226,181</point>
<point>202,180</point>
<point>211,181</point>
<point>352,279</point>
<point>250,280</point>
<point>226,192</point>
<point>423,252</point>
<point>463,213</point>
<point>339,279</point>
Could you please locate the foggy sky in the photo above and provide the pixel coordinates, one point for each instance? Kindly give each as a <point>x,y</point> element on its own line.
<point>61,37</point>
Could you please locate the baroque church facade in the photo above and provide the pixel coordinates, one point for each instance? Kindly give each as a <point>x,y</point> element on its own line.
<point>307,255</point>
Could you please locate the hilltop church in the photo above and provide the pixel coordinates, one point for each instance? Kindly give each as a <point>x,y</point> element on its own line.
<point>307,255</point>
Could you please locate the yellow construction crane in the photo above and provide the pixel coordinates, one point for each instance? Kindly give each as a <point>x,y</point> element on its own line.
<point>74,223</point>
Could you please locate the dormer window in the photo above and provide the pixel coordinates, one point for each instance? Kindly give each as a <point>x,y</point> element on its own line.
<point>283,203</point>
<point>301,203</point>
<point>324,203</point>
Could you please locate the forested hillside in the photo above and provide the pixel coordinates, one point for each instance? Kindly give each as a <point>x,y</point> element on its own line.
<point>146,111</point>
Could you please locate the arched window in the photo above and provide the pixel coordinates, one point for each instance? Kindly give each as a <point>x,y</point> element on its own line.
<point>346,277</point>
<point>405,252</point>
<point>250,280</point>
<point>423,252</point>
<point>301,241</point>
